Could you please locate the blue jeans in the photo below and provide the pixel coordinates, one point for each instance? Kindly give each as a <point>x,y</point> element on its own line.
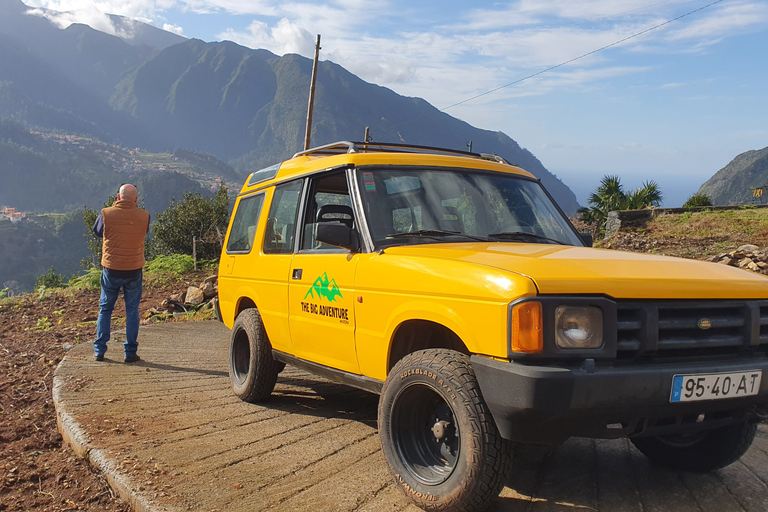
<point>110,288</point>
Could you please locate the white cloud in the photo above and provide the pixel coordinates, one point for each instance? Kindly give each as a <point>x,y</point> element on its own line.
<point>173,29</point>
<point>88,16</point>
<point>63,13</point>
<point>727,20</point>
<point>285,37</point>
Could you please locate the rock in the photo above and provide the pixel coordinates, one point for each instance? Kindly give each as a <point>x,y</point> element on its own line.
<point>211,279</point>
<point>713,258</point>
<point>738,254</point>
<point>744,263</point>
<point>748,248</point>
<point>762,264</point>
<point>209,291</point>
<point>753,266</point>
<point>726,261</point>
<point>177,297</point>
<point>194,296</point>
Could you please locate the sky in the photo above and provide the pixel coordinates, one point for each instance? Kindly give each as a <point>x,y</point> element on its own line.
<point>669,91</point>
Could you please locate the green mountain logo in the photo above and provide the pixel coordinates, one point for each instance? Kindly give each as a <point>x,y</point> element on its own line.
<point>324,287</point>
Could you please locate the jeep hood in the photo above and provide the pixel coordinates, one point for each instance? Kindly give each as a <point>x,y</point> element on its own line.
<point>623,275</point>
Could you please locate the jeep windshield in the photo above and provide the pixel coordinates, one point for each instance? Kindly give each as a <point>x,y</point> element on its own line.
<point>449,205</point>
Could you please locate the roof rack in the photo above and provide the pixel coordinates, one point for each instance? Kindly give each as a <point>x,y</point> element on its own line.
<point>341,147</point>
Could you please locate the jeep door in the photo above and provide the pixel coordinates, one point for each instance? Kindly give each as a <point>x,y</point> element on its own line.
<point>320,296</point>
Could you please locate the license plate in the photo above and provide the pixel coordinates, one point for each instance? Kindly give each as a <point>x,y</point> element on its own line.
<point>713,386</point>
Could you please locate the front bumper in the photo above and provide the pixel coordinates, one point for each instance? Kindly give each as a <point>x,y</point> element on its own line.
<point>548,404</point>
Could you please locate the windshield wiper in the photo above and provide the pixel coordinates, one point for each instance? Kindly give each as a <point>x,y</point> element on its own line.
<point>516,235</point>
<point>435,233</point>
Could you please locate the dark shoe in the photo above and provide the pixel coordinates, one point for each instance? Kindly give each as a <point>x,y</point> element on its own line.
<point>132,359</point>
<point>98,357</point>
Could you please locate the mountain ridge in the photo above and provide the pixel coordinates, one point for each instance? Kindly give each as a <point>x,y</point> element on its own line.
<point>732,183</point>
<point>243,106</point>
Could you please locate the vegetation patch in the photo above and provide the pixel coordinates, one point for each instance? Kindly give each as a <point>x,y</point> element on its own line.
<point>173,264</point>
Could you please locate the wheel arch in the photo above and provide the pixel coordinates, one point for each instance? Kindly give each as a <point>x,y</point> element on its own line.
<point>244,303</point>
<point>413,335</point>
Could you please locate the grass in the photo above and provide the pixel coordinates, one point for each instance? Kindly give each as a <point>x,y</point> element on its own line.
<point>741,226</point>
<point>175,264</point>
<point>162,267</point>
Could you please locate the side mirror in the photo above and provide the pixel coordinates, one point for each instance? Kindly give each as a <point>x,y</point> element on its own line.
<point>338,234</point>
<point>586,239</point>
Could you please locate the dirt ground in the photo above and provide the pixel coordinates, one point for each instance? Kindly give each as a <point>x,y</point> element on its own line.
<point>38,472</point>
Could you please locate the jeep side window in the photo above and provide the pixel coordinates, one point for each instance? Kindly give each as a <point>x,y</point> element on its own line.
<point>328,201</point>
<point>281,221</point>
<point>244,224</point>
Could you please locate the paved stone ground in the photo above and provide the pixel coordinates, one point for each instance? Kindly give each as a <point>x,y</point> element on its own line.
<point>170,435</point>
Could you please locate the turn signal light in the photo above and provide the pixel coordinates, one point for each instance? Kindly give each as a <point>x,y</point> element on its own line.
<point>527,334</point>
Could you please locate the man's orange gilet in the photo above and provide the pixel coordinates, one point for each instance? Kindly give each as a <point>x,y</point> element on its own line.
<point>125,227</point>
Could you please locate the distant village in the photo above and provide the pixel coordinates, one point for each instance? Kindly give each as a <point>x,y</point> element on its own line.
<point>8,213</point>
<point>132,161</point>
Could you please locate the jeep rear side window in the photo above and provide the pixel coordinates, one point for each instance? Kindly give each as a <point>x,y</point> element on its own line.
<point>244,225</point>
<point>281,222</point>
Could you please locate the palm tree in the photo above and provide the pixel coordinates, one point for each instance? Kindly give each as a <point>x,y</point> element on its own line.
<point>610,196</point>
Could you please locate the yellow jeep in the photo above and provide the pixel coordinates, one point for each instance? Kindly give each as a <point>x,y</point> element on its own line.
<point>452,284</point>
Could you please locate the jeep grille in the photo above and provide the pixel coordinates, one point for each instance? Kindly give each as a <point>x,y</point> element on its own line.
<point>675,328</point>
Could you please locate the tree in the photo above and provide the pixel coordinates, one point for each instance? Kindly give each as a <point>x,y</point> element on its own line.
<point>697,199</point>
<point>196,216</point>
<point>610,196</point>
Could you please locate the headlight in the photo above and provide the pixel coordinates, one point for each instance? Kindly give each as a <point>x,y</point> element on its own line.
<point>578,327</point>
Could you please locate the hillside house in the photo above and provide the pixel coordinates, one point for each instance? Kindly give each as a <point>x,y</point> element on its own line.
<point>10,213</point>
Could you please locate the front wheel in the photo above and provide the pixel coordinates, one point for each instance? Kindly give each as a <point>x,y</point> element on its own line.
<point>437,434</point>
<point>252,369</point>
<point>702,451</point>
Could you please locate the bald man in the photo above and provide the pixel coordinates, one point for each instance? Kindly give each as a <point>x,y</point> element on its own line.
<point>123,226</point>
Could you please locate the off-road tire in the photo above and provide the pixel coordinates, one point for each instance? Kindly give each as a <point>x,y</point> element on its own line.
<point>465,468</point>
<point>252,369</point>
<point>700,452</point>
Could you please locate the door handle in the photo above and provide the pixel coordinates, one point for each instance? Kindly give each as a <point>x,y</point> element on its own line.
<point>296,273</point>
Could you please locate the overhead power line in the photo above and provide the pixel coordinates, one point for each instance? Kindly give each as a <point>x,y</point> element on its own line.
<point>547,70</point>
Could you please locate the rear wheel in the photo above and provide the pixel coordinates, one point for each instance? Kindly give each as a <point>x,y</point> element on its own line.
<point>437,434</point>
<point>252,369</point>
<point>702,451</point>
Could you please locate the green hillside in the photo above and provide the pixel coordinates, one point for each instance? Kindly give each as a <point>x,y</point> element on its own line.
<point>732,183</point>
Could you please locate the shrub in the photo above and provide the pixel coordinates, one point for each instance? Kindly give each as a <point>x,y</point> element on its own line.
<point>175,264</point>
<point>697,199</point>
<point>90,279</point>
<point>610,196</point>
<point>50,280</point>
